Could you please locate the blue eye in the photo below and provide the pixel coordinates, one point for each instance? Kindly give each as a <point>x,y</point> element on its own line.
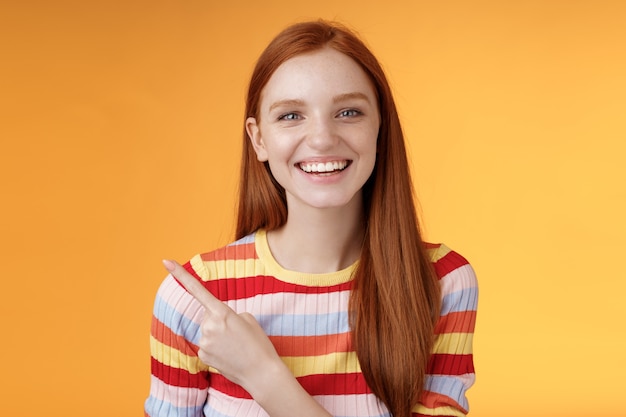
<point>289,116</point>
<point>349,113</point>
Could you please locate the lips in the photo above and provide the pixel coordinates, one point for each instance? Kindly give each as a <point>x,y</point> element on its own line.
<point>323,167</point>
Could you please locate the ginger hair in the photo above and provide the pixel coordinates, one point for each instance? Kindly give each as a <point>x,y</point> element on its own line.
<point>395,298</point>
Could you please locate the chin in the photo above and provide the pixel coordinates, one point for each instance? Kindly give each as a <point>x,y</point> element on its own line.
<point>330,202</point>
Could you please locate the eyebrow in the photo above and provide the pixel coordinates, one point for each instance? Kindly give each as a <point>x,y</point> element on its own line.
<point>336,99</point>
<point>350,96</point>
<point>286,103</point>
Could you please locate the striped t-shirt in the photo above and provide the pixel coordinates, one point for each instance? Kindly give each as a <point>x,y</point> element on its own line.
<point>306,318</point>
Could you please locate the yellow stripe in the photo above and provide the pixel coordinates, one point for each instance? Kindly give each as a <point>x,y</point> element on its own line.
<point>454,343</point>
<point>174,358</point>
<point>211,270</point>
<point>438,253</point>
<point>332,363</point>
<point>294,277</point>
<point>438,411</point>
<point>265,265</point>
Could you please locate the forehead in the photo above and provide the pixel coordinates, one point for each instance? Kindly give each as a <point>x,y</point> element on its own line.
<point>317,75</point>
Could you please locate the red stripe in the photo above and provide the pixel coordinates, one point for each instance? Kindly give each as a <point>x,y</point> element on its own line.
<point>331,384</point>
<point>312,345</point>
<point>227,289</point>
<point>192,271</point>
<point>456,322</point>
<point>221,384</point>
<point>434,400</point>
<point>335,384</point>
<point>429,415</point>
<point>448,364</point>
<point>449,263</point>
<point>231,252</point>
<point>179,377</point>
<point>165,335</point>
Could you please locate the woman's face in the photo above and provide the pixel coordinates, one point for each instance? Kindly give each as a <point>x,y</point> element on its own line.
<point>317,127</point>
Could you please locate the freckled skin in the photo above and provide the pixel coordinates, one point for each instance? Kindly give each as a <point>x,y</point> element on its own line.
<point>317,108</point>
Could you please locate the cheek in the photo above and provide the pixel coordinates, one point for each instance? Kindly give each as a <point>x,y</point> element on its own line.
<point>372,152</point>
<point>279,147</point>
<point>279,159</point>
<point>370,145</point>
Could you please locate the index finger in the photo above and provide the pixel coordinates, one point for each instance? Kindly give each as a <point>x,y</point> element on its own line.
<point>193,286</point>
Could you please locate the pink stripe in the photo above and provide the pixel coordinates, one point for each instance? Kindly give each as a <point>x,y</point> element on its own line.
<point>461,278</point>
<point>181,301</point>
<point>293,303</point>
<point>343,405</point>
<point>351,405</point>
<point>177,396</point>
<point>226,405</point>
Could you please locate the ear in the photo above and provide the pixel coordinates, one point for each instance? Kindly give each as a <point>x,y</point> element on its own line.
<point>254,134</point>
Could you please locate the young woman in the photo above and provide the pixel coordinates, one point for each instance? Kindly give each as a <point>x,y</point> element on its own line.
<point>329,302</point>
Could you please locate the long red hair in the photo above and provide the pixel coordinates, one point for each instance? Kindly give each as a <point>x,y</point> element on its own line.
<point>395,300</point>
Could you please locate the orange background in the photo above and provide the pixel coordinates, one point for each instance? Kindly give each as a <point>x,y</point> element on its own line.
<point>120,131</point>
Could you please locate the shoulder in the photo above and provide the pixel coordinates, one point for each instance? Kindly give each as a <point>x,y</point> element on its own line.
<point>456,275</point>
<point>445,260</point>
<point>208,265</point>
<point>174,300</point>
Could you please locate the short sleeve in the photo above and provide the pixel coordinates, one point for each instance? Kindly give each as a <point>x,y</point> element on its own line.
<point>451,366</point>
<point>179,380</point>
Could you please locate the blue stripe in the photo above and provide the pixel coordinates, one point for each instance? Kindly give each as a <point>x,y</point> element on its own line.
<point>178,323</point>
<point>304,324</point>
<point>158,408</point>
<point>212,412</point>
<point>244,240</point>
<point>463,300</point>
<point>449,386</point>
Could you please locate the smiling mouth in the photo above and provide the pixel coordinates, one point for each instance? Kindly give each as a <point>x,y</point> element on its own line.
<point>323,167</point>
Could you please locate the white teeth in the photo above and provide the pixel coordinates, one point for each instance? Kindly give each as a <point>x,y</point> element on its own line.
<point>323,167</point>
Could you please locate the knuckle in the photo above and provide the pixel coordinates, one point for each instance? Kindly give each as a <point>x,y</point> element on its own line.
<point>247,317</point>
<point>204,357</point>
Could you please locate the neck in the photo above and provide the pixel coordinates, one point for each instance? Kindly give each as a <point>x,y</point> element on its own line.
<point>319,240</point>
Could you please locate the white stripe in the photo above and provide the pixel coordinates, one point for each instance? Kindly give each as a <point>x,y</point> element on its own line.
<point>177,396</point>
<point>357,405</point>
<point>459,279</point>
<point>180,300</point>
<point>287,303</point>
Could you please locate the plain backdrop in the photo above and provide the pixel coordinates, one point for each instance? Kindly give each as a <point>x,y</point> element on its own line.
<point>120,128</point>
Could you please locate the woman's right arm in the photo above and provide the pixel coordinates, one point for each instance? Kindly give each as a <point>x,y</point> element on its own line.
<point>178,384</point>
<point>236,345</point>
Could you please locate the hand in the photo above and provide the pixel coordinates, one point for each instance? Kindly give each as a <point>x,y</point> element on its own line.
<point>237,346</point>
<point>234,344</point>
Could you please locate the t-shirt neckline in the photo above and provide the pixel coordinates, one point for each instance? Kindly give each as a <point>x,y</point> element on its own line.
<point>294,277</point>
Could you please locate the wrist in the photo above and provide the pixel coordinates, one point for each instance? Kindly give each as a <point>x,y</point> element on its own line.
<point>267,378</point>
<point>280,394</point>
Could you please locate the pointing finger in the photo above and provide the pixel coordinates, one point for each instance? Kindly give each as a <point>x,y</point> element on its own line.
<point>193,286</point>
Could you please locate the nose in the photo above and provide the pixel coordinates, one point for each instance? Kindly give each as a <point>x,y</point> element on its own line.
<point>322,134</point>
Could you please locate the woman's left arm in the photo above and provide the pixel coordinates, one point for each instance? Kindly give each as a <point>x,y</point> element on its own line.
<point>451,366</point>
